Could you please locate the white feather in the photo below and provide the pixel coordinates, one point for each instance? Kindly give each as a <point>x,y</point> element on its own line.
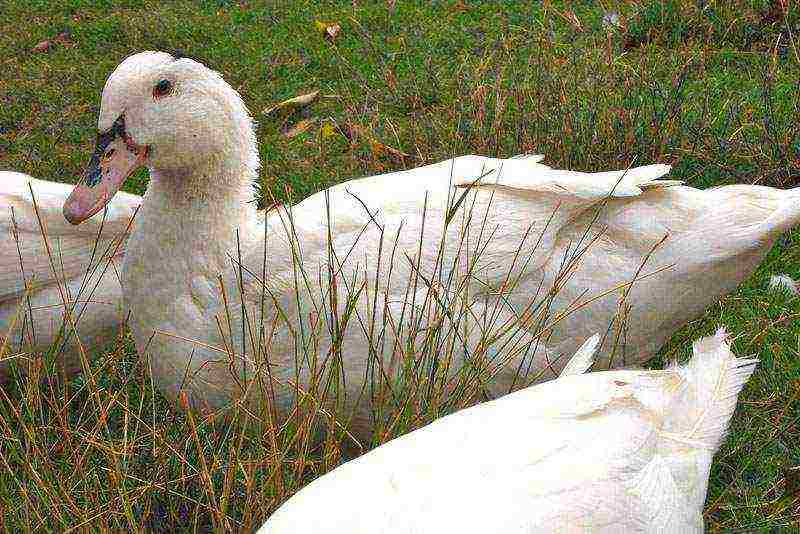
<point>81,268</point>
<point>631,254</point>
<point>613,451</point>
<point>583,358</point>
<point>784,283</point>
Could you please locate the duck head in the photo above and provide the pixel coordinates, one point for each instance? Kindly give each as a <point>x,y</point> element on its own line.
<point>169,114</point>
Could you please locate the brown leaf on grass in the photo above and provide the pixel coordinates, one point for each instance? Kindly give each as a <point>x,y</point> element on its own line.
<point>355,133</point>
<point>573,19</point>
<point>328,29</point>
<point>293,104</point>
<point>65,38</point>
<point>459,7</point>
<point>391,79</point>
<point>775,12</point>
<point>42,46</point>
<point>792,477</point>
<point>380,150</point>
<point>299,128</point>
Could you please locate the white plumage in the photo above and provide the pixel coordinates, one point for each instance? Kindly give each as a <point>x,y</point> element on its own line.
<point>613,451</point>
<point>82,268</point>
<point>784,283</point>
<point>576,253</point>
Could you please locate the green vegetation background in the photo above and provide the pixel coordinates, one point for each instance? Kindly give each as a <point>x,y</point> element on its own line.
<point>709,87</point>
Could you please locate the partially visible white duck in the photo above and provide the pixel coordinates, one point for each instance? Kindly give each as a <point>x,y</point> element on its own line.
<point>83,263</point>
<point>612,451</point>
<point>391,237</point>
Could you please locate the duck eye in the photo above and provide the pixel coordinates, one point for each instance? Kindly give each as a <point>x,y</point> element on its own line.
<point>162,88</point>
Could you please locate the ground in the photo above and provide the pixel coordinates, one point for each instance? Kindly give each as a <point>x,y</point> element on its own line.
<point>710,87</point>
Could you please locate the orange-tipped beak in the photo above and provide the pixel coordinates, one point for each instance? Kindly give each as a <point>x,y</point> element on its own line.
<point>115,158</point>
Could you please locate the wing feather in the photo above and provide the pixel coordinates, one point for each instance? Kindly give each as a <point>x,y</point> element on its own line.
<point>525,175</point>
<point>32,223</point>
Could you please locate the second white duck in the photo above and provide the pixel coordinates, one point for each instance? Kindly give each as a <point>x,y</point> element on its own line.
<point>614,451</point>
<point>47,266</point>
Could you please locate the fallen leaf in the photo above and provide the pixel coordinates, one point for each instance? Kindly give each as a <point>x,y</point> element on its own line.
<point>299,128</point>
<point>42,46</point>
<point>332,31</point>
<point>792,477</point>
<point>391,79</point>
<point>64,37</point>
<point>295,103</point>
<point>354,131</point>
<point>573,19</point>
<point>327,131</point>
<point>379,149</point>
<point>328,29</point>
<point>460,7</point>
<point>775,13</point>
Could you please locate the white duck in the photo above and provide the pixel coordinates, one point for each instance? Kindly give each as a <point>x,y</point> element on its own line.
<point>612,451</point>
<point>81,269</point>
<point>197,224</point>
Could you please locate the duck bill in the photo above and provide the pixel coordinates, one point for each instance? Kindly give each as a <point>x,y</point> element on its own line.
<point>115,158</point>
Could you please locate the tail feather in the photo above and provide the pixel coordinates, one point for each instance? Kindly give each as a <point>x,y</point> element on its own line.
<point>645,173</point>
<point>786,217</point>
<point>583,357</point>
<point>713,379</point>
<point>645,177</point>
<point>532,158</point>
<point>530,175</point>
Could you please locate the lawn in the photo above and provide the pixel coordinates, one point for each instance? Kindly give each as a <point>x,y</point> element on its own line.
<point>709,87</point>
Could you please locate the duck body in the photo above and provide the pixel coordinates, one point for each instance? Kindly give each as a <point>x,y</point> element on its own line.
<point>512,241</point>
<point>613,451</point>
<point>388,239</point>
<point>82,268</point>
<point>616,237</point>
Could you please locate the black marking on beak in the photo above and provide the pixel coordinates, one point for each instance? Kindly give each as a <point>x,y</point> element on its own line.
<point>93,171</point>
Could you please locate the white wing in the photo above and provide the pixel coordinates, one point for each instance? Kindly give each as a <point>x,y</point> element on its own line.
<point>512,209</point>
<point>520,175</point>
<point>26,219</point>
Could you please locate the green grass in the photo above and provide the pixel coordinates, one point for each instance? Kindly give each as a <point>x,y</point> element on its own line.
<point>710,87</point>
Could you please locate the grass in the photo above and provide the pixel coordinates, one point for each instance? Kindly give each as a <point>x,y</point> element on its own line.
<point>709,87</point>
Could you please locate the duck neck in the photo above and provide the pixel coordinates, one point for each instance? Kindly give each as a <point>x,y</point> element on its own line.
<point>196,215</point>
